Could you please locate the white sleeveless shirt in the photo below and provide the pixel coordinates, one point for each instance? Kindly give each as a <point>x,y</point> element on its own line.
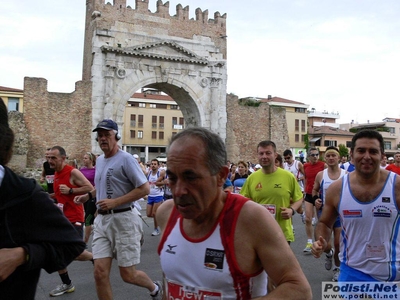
<point>370,240</point>
<point>294,169</point>
<point>155,190</point>
<point>200,268</point>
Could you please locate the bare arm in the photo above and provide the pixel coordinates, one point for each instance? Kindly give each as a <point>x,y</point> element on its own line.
<point>268,249</point>
<point>78,179</point>
<point>323,229</point>
<point>160,179</point>
<point>316,189</point>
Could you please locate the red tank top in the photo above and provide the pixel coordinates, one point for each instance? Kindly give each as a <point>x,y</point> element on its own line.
<point>73,212</point>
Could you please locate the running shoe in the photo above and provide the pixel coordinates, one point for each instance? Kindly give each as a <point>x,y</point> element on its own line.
<point>336,273</point>
<point>307,249</point>
<point>328,259</point>
<point>62,289</point>
<point>160,291</point>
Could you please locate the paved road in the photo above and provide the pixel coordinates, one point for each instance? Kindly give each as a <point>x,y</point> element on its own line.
<point>82,272</point>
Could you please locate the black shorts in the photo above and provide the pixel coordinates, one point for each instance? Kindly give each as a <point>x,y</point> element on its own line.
<point>309,198</point>
<point>79,228</point>
<point>90,210</point>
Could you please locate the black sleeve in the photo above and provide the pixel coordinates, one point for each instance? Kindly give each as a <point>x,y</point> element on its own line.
<point>53,242</point>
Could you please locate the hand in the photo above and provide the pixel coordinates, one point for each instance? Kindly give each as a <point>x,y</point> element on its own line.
<point>286,213</point>
<point>41,179</point>
<point>10,259</point>
<point>318,247</point>
<point>106,204</point>
<point>64,189</point>
<point>81,199</point>
<point>318,204</point>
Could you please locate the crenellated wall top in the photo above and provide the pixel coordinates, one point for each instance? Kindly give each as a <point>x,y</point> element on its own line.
<point>142,6</point>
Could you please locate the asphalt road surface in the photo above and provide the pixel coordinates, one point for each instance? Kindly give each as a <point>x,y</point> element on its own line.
<point>81,273</point>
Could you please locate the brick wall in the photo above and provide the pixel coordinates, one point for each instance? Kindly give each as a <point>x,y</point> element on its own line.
<point>248,125</point>
<point>63,119</point>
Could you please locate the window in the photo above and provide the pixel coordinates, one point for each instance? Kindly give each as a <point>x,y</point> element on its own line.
<point>387,145</point>
<point>296,138</point>
<point>181,121</point>
<point>140,123</point>
<point>153,121</point>
<point>300,110</point>
<point>161,135</point>
<point>330,143</point>
<point>133,134</point>
<point>303,125</point>
<point>296,125</point>
<point>13,104</point>
<point>142,104</point>
<point>348,144</point>
<point>174,120</point>
<point>140,134</point>
<point>392,130</point>
<point>302,137</point>
<point>133,120</point>
<point>174,107</point>
<point>154,135</point>
<point>161,106</point>
<point>161,122</point>
<point>152,105</point>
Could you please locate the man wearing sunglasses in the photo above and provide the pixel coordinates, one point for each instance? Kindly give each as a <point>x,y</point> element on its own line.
<point>311,169</point>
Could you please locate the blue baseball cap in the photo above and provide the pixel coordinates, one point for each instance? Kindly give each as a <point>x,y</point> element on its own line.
<point>106,124</point>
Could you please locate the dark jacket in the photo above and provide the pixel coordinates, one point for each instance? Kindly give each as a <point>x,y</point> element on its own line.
<point>30,219</point>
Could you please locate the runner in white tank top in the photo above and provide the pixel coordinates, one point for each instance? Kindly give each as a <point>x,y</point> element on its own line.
<point>368,201</point>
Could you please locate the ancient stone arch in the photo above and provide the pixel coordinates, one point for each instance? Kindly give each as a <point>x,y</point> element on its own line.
<point>127,49</point>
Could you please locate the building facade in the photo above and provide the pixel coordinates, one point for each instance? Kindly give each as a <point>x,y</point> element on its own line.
<point>389,128</point>
<point>151,118</point>
<point>13,98</point>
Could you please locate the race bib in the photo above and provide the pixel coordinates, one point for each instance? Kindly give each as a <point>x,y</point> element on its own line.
<point>50,178</point>
<point>271,208</point>
<point>178,291</point>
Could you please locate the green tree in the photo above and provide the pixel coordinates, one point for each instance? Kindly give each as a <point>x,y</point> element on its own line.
<point>306,142</point>
<point>343,151</point>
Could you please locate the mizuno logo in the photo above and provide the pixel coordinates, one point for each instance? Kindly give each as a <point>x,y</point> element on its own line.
<point>170,249</point>
<point>277,185</point>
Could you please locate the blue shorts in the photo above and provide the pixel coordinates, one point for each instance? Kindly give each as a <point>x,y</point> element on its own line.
<point>349,274</point>
<point>153,200</point>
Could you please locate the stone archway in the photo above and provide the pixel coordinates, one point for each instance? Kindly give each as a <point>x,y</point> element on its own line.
<point>127,49</point>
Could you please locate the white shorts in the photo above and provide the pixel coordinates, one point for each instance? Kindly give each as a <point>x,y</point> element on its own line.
<point>118,236</point>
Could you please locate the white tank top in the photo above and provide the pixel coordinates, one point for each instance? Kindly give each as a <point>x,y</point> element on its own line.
<point>294,169</point>
<point>370,240</point>
<point>155,190</point>
<point>199,268</point>
<point>327,181</point>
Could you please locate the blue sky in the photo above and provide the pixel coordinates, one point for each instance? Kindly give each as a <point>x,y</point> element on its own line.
<point>340,56</point>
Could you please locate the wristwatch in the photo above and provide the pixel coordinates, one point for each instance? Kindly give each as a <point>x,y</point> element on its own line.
<point>293,211</point>
<point>71,191</point>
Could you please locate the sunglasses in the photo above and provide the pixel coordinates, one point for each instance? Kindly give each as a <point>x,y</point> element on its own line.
<point>314,155</point>
<point>287,157</point>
